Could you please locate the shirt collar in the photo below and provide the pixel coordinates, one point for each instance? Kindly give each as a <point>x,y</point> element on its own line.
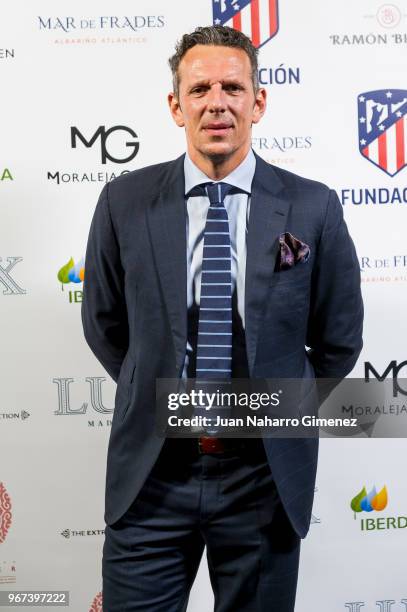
<point>241,177</point>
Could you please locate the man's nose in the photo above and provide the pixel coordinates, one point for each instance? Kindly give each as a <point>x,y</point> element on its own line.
<point>216,98</point>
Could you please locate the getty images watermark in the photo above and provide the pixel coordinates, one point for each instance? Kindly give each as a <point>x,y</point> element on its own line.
<point>221,402</point>
<point>328,408</point>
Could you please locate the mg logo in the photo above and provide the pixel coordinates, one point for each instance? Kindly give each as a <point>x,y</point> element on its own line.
<point>104,134</point>
<point>392,369</point>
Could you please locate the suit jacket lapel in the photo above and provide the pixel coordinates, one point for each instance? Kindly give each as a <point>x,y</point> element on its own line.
<point>269,208</point>
<point>167,223</point>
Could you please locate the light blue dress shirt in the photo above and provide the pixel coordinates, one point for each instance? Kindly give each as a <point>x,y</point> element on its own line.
<point>238,209</point>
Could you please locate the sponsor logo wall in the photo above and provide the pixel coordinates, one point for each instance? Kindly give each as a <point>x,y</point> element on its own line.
<point>86,102</point>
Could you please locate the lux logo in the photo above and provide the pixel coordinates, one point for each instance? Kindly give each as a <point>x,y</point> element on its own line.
<point>95,396</point>
<point>384,605</point>
<point>10,284</point>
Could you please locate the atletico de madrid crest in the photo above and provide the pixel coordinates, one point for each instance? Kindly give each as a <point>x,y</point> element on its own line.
<point>382,118</point>
<point>258,19</point>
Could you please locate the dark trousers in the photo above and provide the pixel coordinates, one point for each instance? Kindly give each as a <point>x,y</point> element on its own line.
<point>227,502</point>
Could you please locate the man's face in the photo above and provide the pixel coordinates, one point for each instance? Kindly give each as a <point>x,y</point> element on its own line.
<point>216,104</point>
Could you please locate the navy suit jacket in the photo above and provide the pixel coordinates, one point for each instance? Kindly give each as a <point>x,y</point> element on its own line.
<point>134,311</point>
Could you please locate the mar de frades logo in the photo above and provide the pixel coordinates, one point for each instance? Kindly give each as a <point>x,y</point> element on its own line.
<point>258,19</point>
<point>383,128</point>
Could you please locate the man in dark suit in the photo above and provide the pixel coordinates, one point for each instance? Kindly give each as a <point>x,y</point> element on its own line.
<point>194,265</point>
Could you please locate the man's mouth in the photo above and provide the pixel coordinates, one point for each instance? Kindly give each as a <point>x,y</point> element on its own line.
<point>218,127</point>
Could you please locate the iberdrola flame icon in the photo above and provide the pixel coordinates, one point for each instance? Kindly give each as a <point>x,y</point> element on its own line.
<point>380,501</point>
<point>77,273</point>
<point>366,502</point>
<point>71,272</point>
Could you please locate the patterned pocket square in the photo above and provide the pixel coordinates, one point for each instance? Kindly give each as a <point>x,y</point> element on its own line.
<point>292,251</point>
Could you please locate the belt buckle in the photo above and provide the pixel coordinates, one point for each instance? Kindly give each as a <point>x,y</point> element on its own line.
<point>209,444</point>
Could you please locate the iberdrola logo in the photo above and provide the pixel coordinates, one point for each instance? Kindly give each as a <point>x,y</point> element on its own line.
<point>367,502</point>
<point>72,272</point>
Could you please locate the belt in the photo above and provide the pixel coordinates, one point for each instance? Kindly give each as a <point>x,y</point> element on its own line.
<point>209,445</point>
<point>212,445</point>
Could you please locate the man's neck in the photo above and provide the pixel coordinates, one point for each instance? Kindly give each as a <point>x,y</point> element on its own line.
<point>216,168</point>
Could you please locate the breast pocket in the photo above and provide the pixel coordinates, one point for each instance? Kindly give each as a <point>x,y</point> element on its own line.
<point>289,294</point>
<point>297,275</point>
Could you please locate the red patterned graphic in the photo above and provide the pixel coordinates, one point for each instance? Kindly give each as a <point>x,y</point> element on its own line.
<point>5,512</point>
<point>97,603</point>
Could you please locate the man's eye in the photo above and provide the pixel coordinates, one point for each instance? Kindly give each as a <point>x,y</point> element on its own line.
<point>232,87</point>
<point>198,90</point>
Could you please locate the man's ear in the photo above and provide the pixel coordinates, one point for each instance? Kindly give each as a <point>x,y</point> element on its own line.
<point>259,105</point>
<point>175,109</point>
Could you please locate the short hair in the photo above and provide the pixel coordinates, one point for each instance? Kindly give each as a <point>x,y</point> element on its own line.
<point>217,35</point>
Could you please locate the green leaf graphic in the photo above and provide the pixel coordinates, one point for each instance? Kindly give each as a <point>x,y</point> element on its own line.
<point>63,273</point>
<point>355,503</point>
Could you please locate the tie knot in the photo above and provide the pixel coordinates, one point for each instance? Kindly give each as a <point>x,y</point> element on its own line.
<point>217,192</point>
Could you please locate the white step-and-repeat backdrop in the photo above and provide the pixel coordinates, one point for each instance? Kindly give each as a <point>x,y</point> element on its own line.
<point>84,88</point>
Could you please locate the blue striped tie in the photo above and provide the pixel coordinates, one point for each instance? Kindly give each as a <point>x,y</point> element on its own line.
<point>214,347</point>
